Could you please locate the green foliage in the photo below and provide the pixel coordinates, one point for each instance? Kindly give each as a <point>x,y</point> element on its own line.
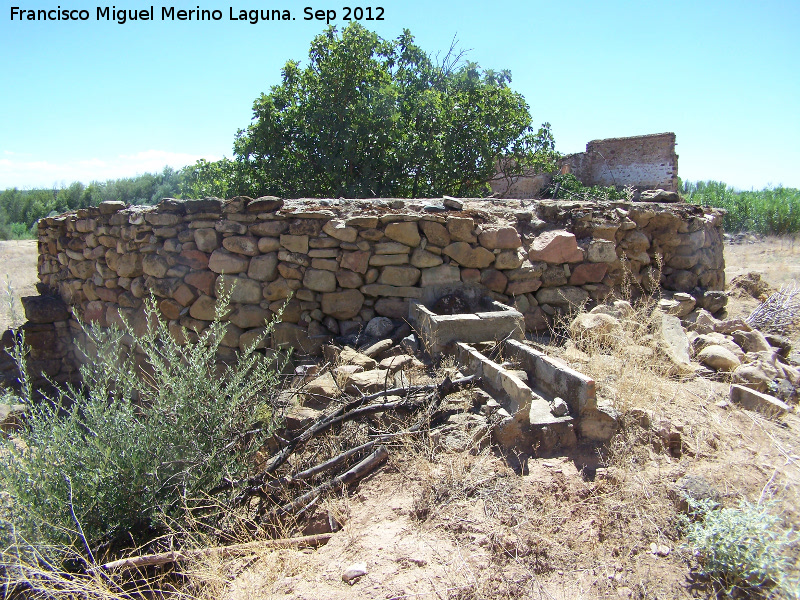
<point>157,425</point>
<point>568,187</point>
<point>370,117</point>
<point>771,211</point>
<point>21,209</point>
<point>220,179</point>
<point>744,547</point>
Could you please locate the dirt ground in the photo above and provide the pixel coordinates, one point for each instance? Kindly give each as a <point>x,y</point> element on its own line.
<point>17,276</point>
<point>592,523</point>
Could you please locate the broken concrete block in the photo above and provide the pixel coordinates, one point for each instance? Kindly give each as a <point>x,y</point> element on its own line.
<point>753,400</point>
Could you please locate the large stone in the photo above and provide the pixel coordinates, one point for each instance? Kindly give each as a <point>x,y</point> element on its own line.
<point>319,280</point>
<point>511,259</point>
<point>223,261</point>
<point>279,289</point>
<point>207,240</point>
<point>751,341</point>
<point>588,329</point>
<point>249,315</point>
<point>522,286</point>
<point>268,244</point>
<point>44,309</point>
<point>337,229</point>
<point>379,327</point>
<point>369,382</point>
<point>202,280</point>
<point>130,265</point>
<point>318,391</point>
<point>155,265</point>
<point>348,356</point>
<point>753,400</point>
<point>342,305</point>
<point>461,229</point>
<point>204,308</point>
<point>441,275</point>
<point>392,248</point>
<point>503,238</point>
<point>674,342</point>
<point>349,279</point>
<point>382,260</point>
<point>422,259</point>
<point>718,358</point>
<point>555,247</point>
<point>602,251</point>
<point>264,204</point>
<point>241,289</point>
<point>588,273</point>
<point>194,259</point>
<point>295,243</point>
<point>405,232</point>
<point>241,244</point>
<point>467,256</point>
<point>494,280</point>
<point>263,268</point>
<point>285,335</point>
<point>435,232</point>
<point>377,289</point>
<point>562,296</point>
<point>357,261</point>
<point>399,276</point>
<point>268,228</point>
<point>394,308</point>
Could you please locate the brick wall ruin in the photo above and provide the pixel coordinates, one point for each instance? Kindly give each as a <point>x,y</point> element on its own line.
<point>645,162</point>
<point>342,262</point>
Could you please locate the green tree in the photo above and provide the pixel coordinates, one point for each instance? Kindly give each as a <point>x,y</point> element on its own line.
<point>370,117</point>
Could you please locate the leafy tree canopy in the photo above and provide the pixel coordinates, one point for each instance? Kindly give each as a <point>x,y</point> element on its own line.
<point>370,117</point>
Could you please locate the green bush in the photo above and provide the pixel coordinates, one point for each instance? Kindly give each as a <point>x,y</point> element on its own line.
<point>771,211</point>
<point>743,547</point>
<point>156,425</point>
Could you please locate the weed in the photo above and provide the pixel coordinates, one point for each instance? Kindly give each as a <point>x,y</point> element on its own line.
<point>155,426</point>
<point>744,547</point>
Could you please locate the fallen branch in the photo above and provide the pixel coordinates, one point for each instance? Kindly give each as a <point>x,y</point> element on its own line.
<point>358,471</point>
<point>149,560</point>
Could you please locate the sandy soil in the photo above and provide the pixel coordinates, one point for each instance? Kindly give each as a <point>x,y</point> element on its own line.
<point>17,277</point>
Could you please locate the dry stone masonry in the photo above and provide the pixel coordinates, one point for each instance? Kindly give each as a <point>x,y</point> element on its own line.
<point>331,266</point>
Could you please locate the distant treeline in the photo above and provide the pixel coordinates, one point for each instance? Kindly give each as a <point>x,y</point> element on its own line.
<point>21,209</point>
<point>771,211</point>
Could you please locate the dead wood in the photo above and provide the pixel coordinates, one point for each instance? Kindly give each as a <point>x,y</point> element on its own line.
<point>355,473</point>
<point>149,560</point>
<point>346,412</point>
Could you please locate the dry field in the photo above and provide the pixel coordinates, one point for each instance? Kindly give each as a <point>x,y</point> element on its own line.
<point>18,274</point>
<point>594,523</point>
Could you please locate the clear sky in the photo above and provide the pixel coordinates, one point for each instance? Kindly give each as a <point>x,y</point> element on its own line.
<point>92,100</point>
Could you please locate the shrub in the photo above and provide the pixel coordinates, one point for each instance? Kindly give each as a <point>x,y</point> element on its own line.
<point>743,547</point>
<point>156,425</point>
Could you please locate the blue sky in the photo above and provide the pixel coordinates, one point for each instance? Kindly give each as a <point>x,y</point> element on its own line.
<point>92,100</point>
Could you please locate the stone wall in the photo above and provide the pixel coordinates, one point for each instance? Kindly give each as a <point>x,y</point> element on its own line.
<point>645,162</point>
<point>342,262</point>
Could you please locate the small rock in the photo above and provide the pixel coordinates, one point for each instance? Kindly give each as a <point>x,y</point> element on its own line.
<point>659,549</point>
<point>410,344</point>
<point>718,358</point>
<point>354,572</point>
<point>559,408</point>
<point>379,327</point>
<point>452,203</point>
